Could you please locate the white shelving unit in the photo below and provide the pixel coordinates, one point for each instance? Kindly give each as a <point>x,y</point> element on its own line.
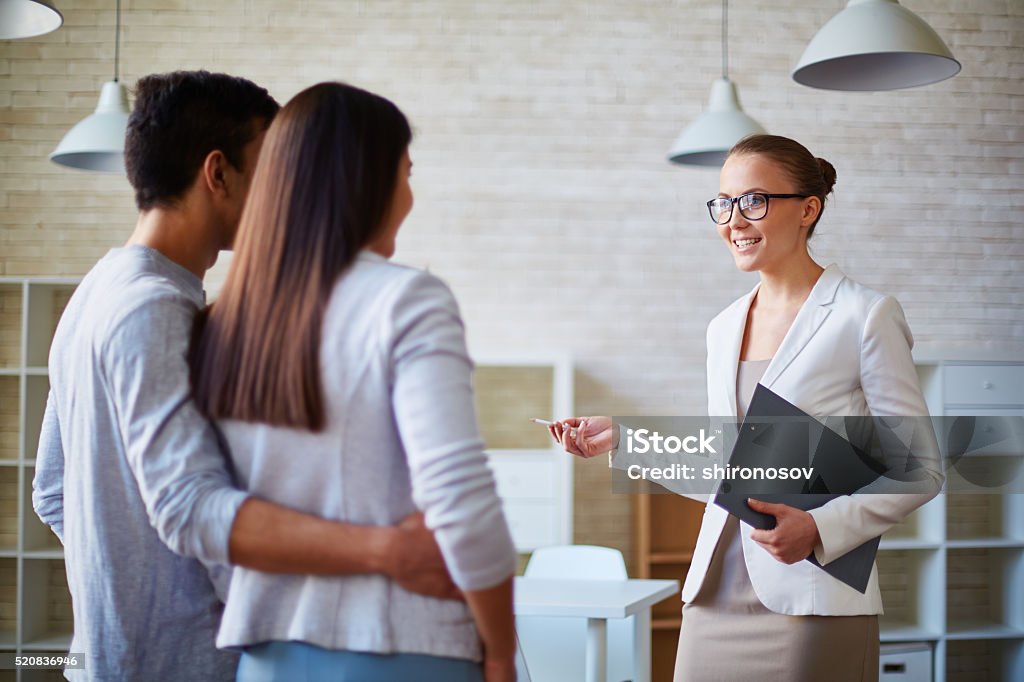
<point>953,573</point>
<point>35,605</point>
<point>534,478</point>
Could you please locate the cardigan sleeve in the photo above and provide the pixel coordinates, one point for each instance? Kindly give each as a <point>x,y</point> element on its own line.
<point>432,397</point>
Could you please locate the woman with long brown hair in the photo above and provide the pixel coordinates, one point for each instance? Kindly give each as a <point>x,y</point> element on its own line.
<point>342,386</point>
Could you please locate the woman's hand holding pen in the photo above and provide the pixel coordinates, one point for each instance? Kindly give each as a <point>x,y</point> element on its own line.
<point>585,436</point>
<point>795,534</point>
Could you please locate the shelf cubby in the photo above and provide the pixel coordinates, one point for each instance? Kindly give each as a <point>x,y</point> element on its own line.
<point>8,603</point>
<point>10,416</point>
<point>36,535</point>
<point>985,592</point>
<point>47,627</point>
<point>37,388</point>
<point>908,578</point>
<point>46,302</point>
<point>676,531</point>
<point>984,520</point>
<point>985,660</point>
<point>922,529</point>
<point>8,509</point>
<point>668,610</point>
<point>11,295</point>
<point>42,675</point>
<point>986,474</point>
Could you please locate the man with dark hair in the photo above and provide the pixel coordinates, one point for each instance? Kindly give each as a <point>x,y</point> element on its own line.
<point>181,117</point>
<point>126,463</point>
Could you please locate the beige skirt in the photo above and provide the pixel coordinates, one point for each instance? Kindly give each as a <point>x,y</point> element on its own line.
<point>729,635</point>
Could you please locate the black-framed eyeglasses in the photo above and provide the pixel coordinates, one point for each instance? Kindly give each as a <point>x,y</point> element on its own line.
<point>753,205</point>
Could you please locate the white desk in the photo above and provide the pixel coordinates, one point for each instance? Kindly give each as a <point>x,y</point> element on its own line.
<point>597,601</point>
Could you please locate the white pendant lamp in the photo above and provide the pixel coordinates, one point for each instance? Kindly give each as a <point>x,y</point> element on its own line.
<point>96,143</point>
<point>875,45</point>
<point>706,141</point>
<point>27,18</point>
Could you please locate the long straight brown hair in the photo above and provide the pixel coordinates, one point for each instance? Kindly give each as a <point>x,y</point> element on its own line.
<point>321,192</point>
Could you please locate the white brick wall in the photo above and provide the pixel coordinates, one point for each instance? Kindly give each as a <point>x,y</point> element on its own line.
<point>542,192</point>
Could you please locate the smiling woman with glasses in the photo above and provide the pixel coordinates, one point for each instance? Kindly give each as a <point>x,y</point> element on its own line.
<point>754,608</point>
<point>831,347</point>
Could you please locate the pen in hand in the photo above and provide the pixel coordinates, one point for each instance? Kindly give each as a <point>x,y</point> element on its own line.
<point>544,422</point>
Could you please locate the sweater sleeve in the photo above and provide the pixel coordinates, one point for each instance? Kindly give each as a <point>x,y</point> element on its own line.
<point>432,398</point>
<point>172,449</point>
<point>48,484</point>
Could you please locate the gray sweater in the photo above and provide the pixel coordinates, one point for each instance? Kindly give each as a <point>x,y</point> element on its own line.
<point>125,464</point>
<point>400,434</point>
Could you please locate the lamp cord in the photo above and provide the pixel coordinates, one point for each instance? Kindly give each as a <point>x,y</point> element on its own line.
<point>725,39</point>
<point>117,41</point>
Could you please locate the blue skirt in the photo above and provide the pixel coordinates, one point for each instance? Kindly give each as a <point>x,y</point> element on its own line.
<point>301,662</point>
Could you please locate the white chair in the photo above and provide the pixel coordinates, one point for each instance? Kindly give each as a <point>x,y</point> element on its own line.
<point>555,647</point>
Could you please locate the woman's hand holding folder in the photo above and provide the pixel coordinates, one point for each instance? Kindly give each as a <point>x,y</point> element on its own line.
<point>794,536</point>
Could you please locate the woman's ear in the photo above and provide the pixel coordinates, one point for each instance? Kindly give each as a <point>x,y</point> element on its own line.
<point>812,209</point>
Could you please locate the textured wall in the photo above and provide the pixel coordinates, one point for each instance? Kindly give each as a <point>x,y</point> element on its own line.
<point>542,192</point>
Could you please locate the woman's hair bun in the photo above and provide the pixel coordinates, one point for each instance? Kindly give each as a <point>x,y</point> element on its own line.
<point>828,174</point>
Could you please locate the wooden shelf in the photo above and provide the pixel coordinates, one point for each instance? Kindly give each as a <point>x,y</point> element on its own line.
<point>44,554</point>
<point>57,642</point>
<point>666,623</point>
<point>983,630</point>
<point>902,631</point>
<point>670,557</point>
<point>984,543</point>
<point>907,543</point>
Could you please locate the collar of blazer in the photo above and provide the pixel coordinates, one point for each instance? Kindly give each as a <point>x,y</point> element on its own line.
<point>810,318</point>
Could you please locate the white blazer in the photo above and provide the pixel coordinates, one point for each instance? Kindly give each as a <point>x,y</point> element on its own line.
<point>847,353</point>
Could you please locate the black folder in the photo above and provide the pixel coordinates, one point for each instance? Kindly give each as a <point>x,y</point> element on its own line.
<point>776,433</point>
